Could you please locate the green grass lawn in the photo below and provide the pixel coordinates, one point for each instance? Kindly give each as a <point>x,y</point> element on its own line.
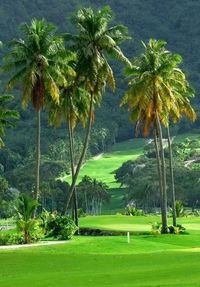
<point>135,224</point>
<point>106,261</point>
<point>147,261</point>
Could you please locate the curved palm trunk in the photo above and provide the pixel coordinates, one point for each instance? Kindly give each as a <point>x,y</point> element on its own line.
<point>71,148</point>
<point>171,177</point>
<point>37,188</point>
<point>82,157</point>
<point>163,169</point>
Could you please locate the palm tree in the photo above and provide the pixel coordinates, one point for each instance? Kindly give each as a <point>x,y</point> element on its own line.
<point>25,223</point>
<point>181,91</point>
<point>35,62</point>
<point>93,43</point>
<point>92,194</point>
<point>154,95</point>
<point>6,115</point>
<point>72,109</point>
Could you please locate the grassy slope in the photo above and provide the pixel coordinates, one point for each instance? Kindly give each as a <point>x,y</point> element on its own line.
<point>103,168</point>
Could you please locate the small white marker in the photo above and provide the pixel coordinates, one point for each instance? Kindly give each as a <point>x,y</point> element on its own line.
<point>128,237</point>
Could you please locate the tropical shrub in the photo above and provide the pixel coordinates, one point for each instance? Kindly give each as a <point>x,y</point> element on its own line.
<point>156,228</point>
<point>31,230</point>
<point>59,226</point>
<point>179,229</point>
<point>8,238</point>
<point>132,210</point>
<point>179,208</point>
<point>27,225</point>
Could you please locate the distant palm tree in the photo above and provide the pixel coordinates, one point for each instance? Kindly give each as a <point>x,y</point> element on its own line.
<point>6,115</point>
<point>35,62</point>
<point>153,97</point>
<point>93,43</point>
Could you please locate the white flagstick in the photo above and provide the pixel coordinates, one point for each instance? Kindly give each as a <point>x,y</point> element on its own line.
<point>128,237</point>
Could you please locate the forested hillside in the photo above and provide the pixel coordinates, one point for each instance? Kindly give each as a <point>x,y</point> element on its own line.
<point>177,22</point>
<point>144,18</point>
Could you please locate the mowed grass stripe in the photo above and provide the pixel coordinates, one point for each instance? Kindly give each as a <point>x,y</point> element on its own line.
<point>103,168</point>
<point>146,261</point>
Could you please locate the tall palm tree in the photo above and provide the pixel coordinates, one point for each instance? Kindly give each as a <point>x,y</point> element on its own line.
<point>72,109</point>
<point>6,115</point>
<point>182,92</point>
<point>93,43</point>
<point>155,94</point>
<point>35,63</point>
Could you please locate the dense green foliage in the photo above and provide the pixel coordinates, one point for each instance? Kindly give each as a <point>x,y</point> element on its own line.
<point>144,19</point>
<point>11,238</point>
<point>111,123</point>
<point>58,226</point>
<point>140,176</point>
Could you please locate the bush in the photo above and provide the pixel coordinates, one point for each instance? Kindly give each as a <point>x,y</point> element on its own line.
<point>81,212</point>
<point>156,228</point>
<point>58,226</point>
<point>180,211</point>
<point>31,229</point>
<point>8,238</point>
<point>131,210</point>
<point>179,229</point>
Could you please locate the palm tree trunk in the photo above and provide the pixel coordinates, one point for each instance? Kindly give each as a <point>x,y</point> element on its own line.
<point>82,157</point>
<point>71,148</point>
<point>37,188</point>
<point>163,169</point>
<point>171,177</point>
<point>86,203</point>
<point>159,172</point>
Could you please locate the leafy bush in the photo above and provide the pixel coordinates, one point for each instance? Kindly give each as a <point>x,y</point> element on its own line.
<point>179,229</point>
<point>81,213</point>
<point>58,226</point>
<point>8,238</point>
<point>132,210</point>
<point>180,211</point>
<point>156,228</point>
<point>25,223</point>
<point>31,230</point>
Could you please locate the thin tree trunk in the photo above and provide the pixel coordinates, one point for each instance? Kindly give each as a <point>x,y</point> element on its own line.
<point>86,203</point>
<point>82,157</point>
<point>164,203</point>
<point>37,188</point>
<point>159,172</point>
<point>71,148</point>
<point>171,177</point>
